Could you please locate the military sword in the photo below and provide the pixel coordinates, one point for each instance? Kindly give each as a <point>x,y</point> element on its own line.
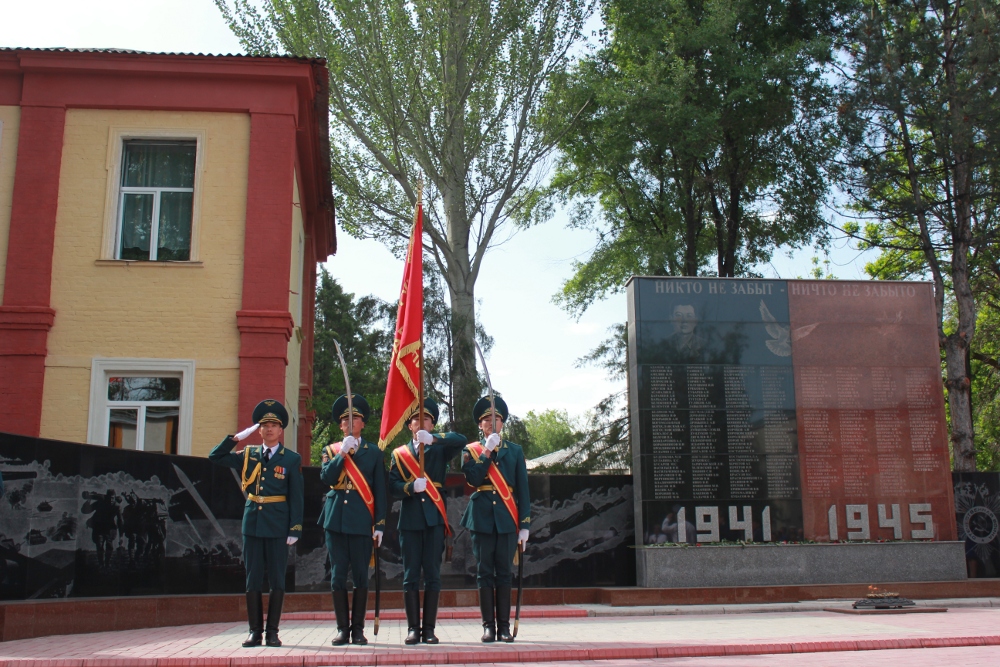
<point>489,385</point>
<point>347,389</point>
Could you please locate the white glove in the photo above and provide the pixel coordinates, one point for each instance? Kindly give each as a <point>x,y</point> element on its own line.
<point>522,537</point>
<point>492,442</point>
<point>350,444</point>
<point>419,484</point>
<point>246,433</point>
<point>377,536</point>
<point>291,540</point>
<point>424,438</point>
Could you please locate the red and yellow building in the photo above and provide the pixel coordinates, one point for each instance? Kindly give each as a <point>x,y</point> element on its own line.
<point>161,219</point>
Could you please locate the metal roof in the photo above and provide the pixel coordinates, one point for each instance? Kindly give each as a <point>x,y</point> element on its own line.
<point>64,49</point>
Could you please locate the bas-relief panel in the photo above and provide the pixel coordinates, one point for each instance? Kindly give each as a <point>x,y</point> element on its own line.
<point>83,520</point>
<point>977,515</point>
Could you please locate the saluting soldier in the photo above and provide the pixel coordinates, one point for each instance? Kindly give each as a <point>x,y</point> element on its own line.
<point>272,518</point>
<point>353,515</point>
<point>498,515</point>
<point>423,517</point>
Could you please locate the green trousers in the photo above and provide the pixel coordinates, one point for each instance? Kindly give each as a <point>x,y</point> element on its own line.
<point>265,554</point>
<point>422,550</point>
<point>348,552</point>
<point>494,554</point>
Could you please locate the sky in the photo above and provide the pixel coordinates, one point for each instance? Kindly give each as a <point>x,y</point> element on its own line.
<point>537,345</point>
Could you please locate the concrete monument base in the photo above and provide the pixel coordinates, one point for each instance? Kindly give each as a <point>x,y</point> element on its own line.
<point>788,564</point>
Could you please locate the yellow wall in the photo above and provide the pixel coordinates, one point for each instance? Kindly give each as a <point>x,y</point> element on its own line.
<point>10,118</point>
<point>293,371</point>
<point>147,310</point>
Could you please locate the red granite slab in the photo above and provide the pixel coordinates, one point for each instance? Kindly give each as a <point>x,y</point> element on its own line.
<point>871,422</point>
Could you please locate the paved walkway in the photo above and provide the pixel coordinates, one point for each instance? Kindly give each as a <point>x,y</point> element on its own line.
<point>969,635</point>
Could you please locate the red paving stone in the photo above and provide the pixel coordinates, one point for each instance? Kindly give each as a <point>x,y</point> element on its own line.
<point>445,614</point>
<point>966,657</point>
<point>560,641</point>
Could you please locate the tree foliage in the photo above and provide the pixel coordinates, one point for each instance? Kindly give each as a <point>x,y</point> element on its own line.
<point>364,328</point>
<point>986,384</point>
<point>359,325</point>
<point>704,134</point>
<point>450,89</point>
<point>549,431</point>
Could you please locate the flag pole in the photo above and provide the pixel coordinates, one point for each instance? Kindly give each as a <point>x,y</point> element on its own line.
<point>420,373</point>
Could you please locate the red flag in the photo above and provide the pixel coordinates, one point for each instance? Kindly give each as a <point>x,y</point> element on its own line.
<point>401,389</point>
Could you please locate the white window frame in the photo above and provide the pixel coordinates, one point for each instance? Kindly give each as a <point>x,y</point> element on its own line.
<point>140,419</point>
<point>102,369</point>
<point>154,226</point>
<point>116,192</point>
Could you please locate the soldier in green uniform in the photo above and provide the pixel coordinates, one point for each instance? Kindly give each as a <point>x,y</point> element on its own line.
<point>272,517</point>
<point>490,515</point>
<point>423,518</point>
<point>353,515</point>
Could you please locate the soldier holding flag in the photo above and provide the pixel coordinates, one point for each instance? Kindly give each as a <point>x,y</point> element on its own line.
<point>417,470</point>
<point>423,516</point>
<point>498,514</point>
<point>353,515</point>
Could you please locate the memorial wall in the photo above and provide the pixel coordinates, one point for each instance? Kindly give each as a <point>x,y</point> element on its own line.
<point>772,410</point>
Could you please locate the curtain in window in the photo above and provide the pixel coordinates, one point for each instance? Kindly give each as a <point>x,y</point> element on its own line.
<point>174,243</point>
<point>122,429</point>
<point>159,164</point>
<point>137,221</point>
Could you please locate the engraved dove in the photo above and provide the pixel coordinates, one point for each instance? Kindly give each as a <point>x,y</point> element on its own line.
<point>780,343</point>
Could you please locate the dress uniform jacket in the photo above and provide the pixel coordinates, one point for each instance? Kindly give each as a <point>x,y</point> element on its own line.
<point>417,510</point>
<point>486,510</point>
<point>281,476</point>
<point>344,510</point>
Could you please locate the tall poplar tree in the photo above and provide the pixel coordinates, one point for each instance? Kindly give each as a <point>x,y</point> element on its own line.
<point>450,89</point>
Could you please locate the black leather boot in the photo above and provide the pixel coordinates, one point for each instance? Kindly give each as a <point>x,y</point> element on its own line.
<point>358,610</point>
<point>486,608</point>
<point>273,617</point>
<point>255,614</point>
<point>430,616</point>
<point>503,614</point>
<point>343,620</point>
<point>411,600</point>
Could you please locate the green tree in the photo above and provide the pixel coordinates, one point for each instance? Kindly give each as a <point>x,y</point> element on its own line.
<point>922,168</point>
<point>449,89</point>
<point>364,328</point>
<point>704,132</point>
<point>359,325</point>
<point>549,431</point>
<point>986,385</point>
